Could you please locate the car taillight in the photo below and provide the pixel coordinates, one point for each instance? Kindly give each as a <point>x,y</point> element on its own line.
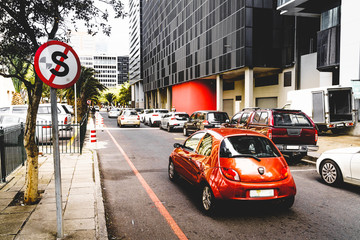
<point>122,118</point>
<point>46,126</point>
<point>284,172</point>
<point>65,120</point>
<point>316,136</point>
<point>155,115</point>
<point>138,117</point>
<point>230,174</point>
<point>205,122</point>
<point>172,118</point>
<point>269,133</point>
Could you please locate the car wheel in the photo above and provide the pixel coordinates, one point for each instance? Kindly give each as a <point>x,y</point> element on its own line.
<point>150,123</point>
<point>185,132</point>
<point>169,128</point>
<point>138,125</point>
<point>207,199</point>
<point>330,172</point>
<point>171,171</point>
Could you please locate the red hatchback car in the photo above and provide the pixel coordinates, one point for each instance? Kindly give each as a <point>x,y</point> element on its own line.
<point>233,164</point>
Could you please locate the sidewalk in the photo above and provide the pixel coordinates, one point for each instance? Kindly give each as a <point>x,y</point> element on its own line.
<point>84,216</point>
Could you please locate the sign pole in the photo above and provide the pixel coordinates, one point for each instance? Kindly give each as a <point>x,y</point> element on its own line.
<point>57,167</point>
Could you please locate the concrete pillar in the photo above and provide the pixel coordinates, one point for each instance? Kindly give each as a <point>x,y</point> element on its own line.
<point>219,93</point>
<point>249,88</point>
<point>168,98</point>
<point>158,104</point>
<point>141,95</point>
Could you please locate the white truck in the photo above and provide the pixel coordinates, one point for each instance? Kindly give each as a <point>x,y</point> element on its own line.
<point>331,108</point>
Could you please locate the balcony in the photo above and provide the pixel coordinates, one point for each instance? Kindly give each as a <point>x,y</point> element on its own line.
<point>328,46</point>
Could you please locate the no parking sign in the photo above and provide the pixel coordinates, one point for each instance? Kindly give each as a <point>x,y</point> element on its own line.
<point>57,64</point>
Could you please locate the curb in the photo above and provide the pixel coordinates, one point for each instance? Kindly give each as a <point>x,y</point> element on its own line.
<point>101,230</point>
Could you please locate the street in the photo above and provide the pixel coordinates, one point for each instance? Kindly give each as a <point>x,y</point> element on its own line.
<point>142,203</point>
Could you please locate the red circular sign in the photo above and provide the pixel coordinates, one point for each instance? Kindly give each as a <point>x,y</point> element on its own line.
<point>57,64</point>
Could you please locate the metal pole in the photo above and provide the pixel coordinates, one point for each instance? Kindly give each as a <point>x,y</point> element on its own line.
<point>75,104</point>
<point>57,168</point>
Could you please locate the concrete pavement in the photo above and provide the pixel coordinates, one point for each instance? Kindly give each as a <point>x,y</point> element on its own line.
<point>84,215</point>
<point>83,208</point>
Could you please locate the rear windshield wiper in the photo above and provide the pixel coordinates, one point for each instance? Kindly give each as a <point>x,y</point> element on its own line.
<point>246,156</point>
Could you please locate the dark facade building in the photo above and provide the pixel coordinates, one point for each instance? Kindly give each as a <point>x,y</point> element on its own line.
<point>212,43</point>
<point>123,69</point>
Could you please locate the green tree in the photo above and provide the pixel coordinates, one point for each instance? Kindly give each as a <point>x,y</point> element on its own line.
<point>24,26</point>
<point>125,94</point>
<point>87,88</point>
<point>110,97</point>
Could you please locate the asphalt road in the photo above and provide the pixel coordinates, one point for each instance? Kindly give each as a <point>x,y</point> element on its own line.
<point>142,203</point>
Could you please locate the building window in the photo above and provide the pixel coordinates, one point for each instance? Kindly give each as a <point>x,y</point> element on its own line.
<point>330,18</point>
<point>228,85</point>
<point>287,79</point>
<point>267,81</point>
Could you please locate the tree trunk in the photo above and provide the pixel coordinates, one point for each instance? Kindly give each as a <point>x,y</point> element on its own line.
<point>32,152</point>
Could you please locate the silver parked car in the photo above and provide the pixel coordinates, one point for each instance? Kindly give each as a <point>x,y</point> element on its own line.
<point>173,120</point>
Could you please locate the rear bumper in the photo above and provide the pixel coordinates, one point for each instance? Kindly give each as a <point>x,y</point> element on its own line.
<point>285,148</point>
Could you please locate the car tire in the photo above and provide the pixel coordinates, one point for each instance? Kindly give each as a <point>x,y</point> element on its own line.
<point>138,126</point>
<point>150,123</point>
<point>169,128</point>
<point>173,176</point>
<point>288,202</point>
<point>207,199</point>
<point>330,173</point>
<point>185,132</point>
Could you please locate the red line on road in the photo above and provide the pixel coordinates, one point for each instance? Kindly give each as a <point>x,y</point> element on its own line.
<point>178,232</point>
<point>58,66</point>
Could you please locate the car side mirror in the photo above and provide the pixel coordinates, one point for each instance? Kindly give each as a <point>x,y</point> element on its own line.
<point>177,145</point>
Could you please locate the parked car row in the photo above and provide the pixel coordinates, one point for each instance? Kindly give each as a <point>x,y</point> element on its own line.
<point>44,115</point>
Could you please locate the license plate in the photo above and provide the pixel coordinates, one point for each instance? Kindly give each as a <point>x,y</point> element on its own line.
<point>292,147</point>
<point>340,125</point>
<point>130,122</point>
<point>217,125</point>
<point>262,193</point>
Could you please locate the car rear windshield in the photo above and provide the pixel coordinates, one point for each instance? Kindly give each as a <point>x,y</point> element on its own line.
<point>218,117</point>
<point>162,111</point>
<point>19,110</point>
<point>284,119</point>
<point>248,145</point>
<point>130,113</point>
<point>181,116</point>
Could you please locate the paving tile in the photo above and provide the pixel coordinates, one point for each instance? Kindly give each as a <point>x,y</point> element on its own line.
<point>11,223</point>
<point>19,209</point>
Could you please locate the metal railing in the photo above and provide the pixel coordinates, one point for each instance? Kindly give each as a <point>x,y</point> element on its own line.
<point>12,150</point>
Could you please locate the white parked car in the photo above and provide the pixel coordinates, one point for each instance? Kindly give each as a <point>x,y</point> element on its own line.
<point>114,112</point>
<point>44,112</point>
<point>153,117</point>
<point>43,131</point>
<point>173,120</point>
<point>340,165</point>
<point>143,114</point>
<point>128,118</point>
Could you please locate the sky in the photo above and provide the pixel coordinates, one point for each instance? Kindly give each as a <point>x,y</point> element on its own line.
<point>118,42</point>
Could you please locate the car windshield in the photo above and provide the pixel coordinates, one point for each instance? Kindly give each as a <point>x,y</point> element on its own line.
<point>291,119</point>
<point>248,145</point>
<point>218,117</point>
